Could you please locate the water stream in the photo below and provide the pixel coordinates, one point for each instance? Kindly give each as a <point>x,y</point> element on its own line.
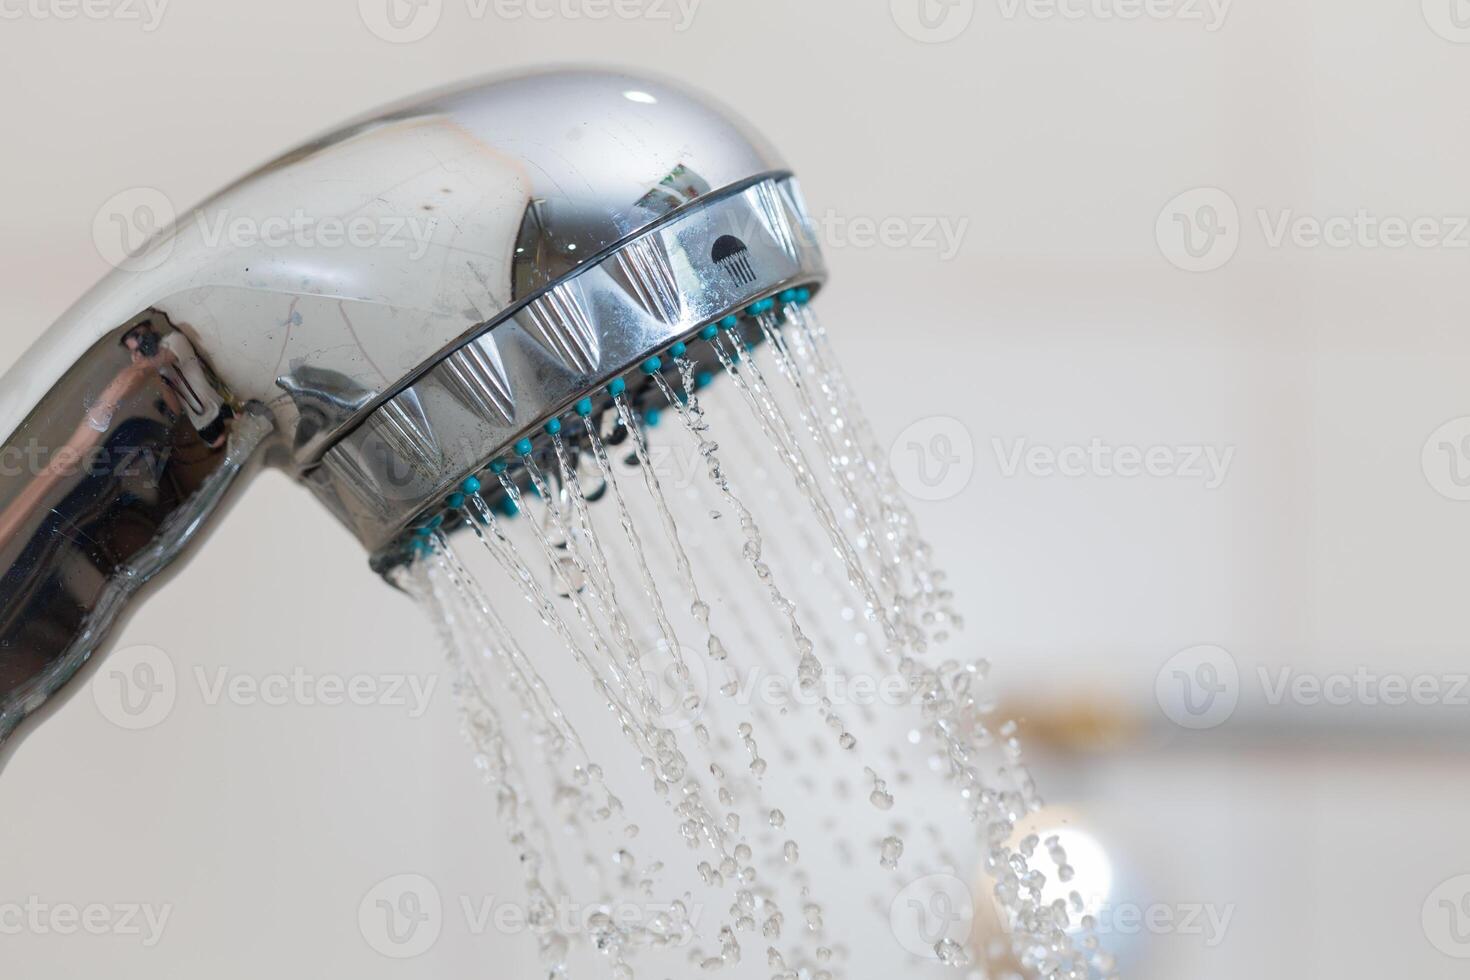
<point>715,605</point>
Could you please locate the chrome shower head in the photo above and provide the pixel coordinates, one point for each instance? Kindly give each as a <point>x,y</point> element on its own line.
<point>456,306</point>
<point>568,226</point>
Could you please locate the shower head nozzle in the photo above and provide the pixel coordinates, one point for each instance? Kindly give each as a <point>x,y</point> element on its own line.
<point>502,253</point>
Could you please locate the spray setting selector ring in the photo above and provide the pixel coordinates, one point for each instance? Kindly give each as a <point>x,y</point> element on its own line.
<point>602,328</point>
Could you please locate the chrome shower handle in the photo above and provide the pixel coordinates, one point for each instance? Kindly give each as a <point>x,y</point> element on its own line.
<point>111,476</point>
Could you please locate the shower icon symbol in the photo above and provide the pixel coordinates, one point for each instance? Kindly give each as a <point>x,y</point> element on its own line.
<point>1450,19</point>
<point>933,21</point>
<point>732,256</point>
<point>136,687</point>
<point>1199,687</point>
<point>1199,230</point>
<point>1445,917</point>
<point>934,458</point>
<point>401,21</point>
<point>401,916</point>
<point>1445,459</point>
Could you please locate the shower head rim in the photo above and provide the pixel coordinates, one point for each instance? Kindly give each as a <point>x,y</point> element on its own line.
<point>485,327</point>
<point>600,323</point>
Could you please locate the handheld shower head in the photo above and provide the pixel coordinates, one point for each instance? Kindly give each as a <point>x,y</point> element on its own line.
<point>503,252</point>
<point>452,311</point>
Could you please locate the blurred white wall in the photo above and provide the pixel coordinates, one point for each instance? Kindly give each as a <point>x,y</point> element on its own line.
<point>1052,148</point>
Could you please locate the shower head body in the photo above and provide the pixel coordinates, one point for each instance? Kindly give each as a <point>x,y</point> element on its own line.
<point>379,312</point>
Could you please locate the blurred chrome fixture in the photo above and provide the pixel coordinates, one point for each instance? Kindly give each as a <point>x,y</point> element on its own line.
<point>573,224</point>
